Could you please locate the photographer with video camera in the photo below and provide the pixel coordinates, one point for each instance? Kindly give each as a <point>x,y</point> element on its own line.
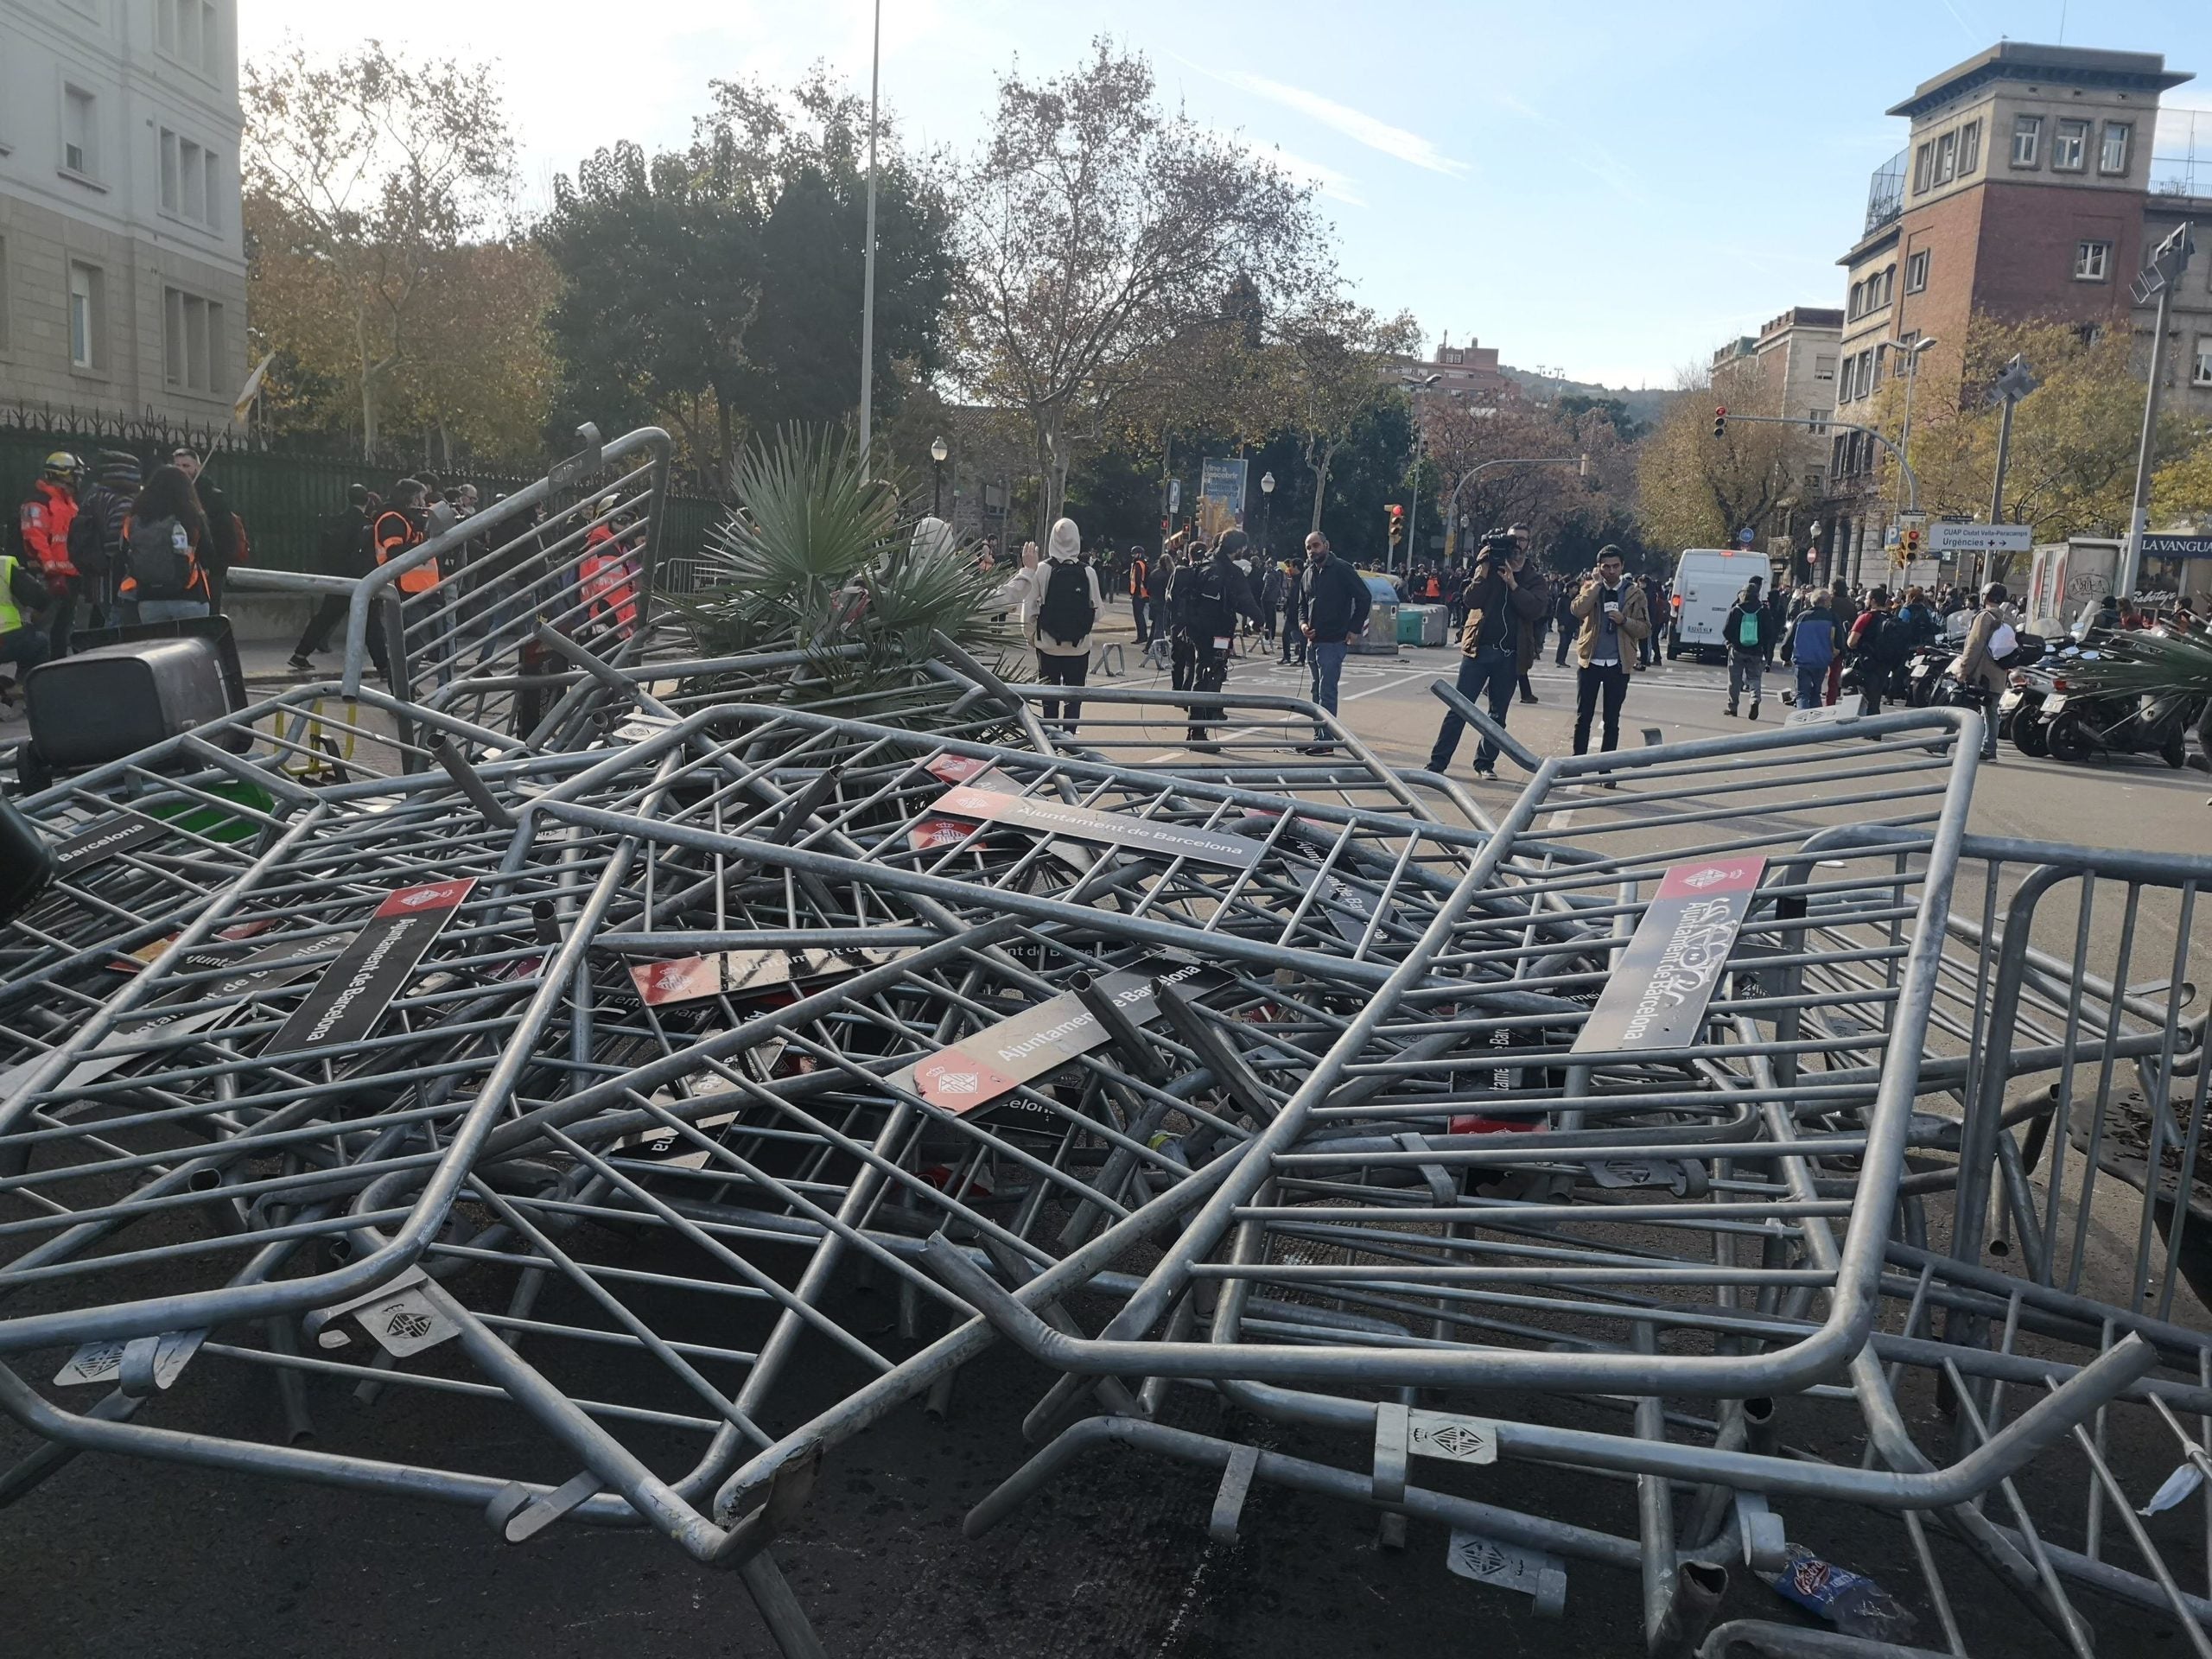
<point>1501,600</point>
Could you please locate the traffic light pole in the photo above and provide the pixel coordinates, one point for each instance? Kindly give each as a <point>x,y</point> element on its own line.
<point>1911,481</point>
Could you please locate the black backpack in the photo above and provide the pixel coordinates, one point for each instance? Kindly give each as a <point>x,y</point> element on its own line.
<point>1067,614</point>
<point>1892,641</point>
<point>158,558</point>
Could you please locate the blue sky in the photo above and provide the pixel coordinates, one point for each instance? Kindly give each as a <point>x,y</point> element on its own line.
<point>1609,191</point>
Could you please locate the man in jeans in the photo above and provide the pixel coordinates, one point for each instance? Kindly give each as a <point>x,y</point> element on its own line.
<point>1489,646</point>
<point>1331,604</point>
<point>1615,619</point>
<point>1746,631</point>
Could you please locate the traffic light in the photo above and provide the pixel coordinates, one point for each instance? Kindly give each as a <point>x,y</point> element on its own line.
<point>1397,517</point>
<point>1720,421</point>
<point>1909,541</point>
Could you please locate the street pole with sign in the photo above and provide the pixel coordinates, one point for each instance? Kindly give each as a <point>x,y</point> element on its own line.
<point>2160,277</point>
<point>2016,382</point>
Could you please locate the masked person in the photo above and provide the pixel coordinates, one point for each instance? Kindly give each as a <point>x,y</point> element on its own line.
<point>1614,617</point>
<point>1209,599</point>
<point>96,536</point>
<point>1489,646</point>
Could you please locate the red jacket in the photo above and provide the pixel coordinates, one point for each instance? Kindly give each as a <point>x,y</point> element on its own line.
<point>47,513</point>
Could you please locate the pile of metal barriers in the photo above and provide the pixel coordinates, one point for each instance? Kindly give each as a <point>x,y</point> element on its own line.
<point>1717,1170</point>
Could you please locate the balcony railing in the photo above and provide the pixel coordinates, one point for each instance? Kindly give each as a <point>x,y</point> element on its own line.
<point>1886,194</point>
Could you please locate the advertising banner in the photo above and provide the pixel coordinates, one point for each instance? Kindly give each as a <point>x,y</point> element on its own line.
<point>1657,995</point>
<point>1220,497</point>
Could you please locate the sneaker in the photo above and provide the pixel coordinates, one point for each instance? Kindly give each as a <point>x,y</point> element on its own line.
<point>1732,709</point>
<point>300,664</point>
<point>1755,708</point>
<point>1527,696</point>
<point>1488,774</point>
<point>1316,749</point>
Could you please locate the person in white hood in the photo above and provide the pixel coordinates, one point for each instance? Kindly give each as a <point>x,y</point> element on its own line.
<point>1063,610</point>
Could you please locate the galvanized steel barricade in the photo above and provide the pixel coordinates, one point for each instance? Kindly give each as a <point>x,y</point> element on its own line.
<point>575,552</point>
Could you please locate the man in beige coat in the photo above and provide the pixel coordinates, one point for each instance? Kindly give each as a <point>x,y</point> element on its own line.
<point>1613,617</point>
<point>1989,637</point>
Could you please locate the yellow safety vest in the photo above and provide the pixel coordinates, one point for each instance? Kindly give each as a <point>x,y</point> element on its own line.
<point>10,618</point>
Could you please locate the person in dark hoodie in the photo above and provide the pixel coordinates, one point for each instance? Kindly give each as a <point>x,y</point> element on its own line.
<point>1208,600</point>
<point>1745,632</point>
<point>1331,605</point>
<point>1499,600</point>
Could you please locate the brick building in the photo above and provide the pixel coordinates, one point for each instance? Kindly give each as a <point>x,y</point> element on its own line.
<point>122,264</point>
<point>2025,189</point>
<point>1788,368</point>
<point>1468,372</point>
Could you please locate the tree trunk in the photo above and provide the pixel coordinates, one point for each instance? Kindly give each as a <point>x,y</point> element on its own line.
<point>368,388</point>
<point>1321,483</point>
<point>725,463</point>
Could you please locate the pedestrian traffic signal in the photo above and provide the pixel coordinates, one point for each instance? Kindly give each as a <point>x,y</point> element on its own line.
<point>1397,515</point>
<point>1720,421</point>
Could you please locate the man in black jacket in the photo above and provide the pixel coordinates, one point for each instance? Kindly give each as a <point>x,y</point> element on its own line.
<point>1205,603</point>
<point>1332,605</point>
<point>96,547</point>
<point>1750,635</point>
<point>344,549</point>
<point>1498,600</point>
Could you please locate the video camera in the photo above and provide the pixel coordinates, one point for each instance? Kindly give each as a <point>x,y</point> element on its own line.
<point>1496,544</point>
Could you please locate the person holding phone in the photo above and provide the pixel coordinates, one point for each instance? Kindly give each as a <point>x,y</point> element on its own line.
<point>1615,618</point>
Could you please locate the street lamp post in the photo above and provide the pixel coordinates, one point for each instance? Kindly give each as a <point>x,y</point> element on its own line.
<point>937,453</point>
<point>1427,382</point>
<point>1812,545</point>
<point>1266,495</point>
<point>1912,357</point>
<point>2160,277</point>
<point>867,267</point>
<point>2016,382</point>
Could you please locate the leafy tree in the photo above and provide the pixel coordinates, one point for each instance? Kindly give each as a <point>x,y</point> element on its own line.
<point>1096,232</point>
<point>363,175</point>
<point>1695,490</point>
<point>1335,360</point>
<point>718,288</point>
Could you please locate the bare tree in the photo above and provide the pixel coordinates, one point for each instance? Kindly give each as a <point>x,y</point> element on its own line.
<point>1094,231</point>
<point>1335,360</point>
<point>375,169</point>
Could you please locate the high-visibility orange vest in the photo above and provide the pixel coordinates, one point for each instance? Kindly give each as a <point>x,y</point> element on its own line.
<point>608,581</point>
<point>394,534</point>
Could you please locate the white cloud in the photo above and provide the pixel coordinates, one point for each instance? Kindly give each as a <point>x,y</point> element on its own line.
<point>1361,129</point>
<point>1331,183</point>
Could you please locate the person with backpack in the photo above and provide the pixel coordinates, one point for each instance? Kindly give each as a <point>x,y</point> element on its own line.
<point>1922,626</point>
<point>1808,645</point>
<point>343,547</point>
<point>42,525</point>
<point>1207,601</point>
<point>164,580</point>
<point>1876,644</point>
<point>1065,612</point>
<point>226,537</point>
<point>1745,631</point>
<point>96,540</point>
<point>1991,643</point>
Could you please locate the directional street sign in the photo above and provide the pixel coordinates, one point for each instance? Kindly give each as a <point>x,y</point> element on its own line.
<point>1981,538</point>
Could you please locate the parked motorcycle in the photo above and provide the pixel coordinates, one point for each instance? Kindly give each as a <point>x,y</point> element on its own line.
<point>2076,725</point>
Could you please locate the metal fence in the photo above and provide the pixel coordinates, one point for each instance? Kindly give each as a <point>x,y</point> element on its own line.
<point>284,496</point>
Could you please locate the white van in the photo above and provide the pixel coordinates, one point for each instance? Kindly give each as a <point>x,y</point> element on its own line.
<point>1707,581</point>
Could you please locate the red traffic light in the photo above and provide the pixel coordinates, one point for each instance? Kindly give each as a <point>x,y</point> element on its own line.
<point>1720,421</point>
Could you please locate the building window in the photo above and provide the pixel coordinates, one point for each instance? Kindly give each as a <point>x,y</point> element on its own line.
<point>1969,148</point>
<point>189,189</point>
<point>2111,156</point>
<point>188,30</point>
<point>1824,367</point>
<point>1816,421</point>
<point>2092,260</point>
<point>2027,139</point>
<point>1869,373</point>
<point>1916,272</point>
<point>2069,148</point>
<point>192,333</point>
<point>80,130</point>
<point>1923,161</point>
<point>1947,158</point>
<point>87,315</point>
<point>2202,378</point>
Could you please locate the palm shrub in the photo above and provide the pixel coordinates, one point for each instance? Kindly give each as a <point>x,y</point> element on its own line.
<point>2171,661</point>
<point>818,555</point>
